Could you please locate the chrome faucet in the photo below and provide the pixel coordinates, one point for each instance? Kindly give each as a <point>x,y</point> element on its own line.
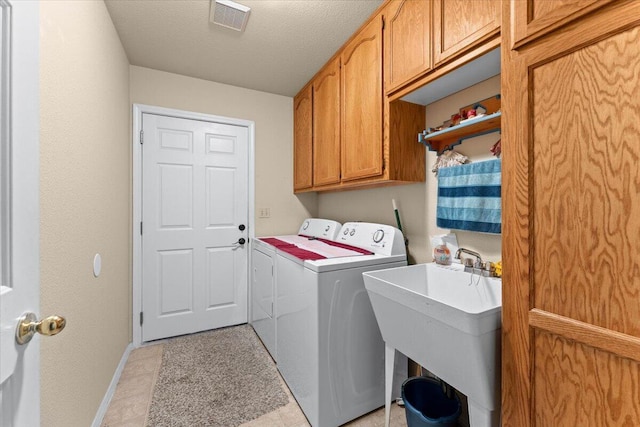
<point>478,263</point>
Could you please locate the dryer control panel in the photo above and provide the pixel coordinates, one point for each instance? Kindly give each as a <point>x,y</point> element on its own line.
<point>318,227</point>
<point>378,238</point>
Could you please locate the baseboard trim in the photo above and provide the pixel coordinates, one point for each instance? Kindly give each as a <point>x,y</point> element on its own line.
<point>102,410</point>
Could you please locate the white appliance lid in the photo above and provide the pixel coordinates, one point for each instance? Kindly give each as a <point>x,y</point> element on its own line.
<point>305,248</point>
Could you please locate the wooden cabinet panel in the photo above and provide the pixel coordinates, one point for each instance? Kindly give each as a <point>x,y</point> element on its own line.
<point>326,125</point>
<point>586,159</point>
<point>407,41</point>
<point>534,18</point>
<point>576,385</point>
<point>362,104</point>
<point>406,157</point>
<point>571,222</point>
<point>459,25</point>
<point>303,140</point>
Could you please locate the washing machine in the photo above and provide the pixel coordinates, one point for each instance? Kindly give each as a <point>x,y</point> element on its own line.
<point>263,277</point>
<point>329,349</point>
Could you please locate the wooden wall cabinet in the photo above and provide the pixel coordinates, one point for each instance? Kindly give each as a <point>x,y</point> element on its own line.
<point>407,41</point>
<point>533,19</point>
<point>303,140</point>
<point>348,132</point>
<point>362,103</point>
<point>379,138</point>
<point>460,25</point>
<point>571,330</point>
<point>326,125</point>
<point>356,136</point>
<point>427,39</point>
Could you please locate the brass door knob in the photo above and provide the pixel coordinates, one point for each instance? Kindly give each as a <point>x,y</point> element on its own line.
<point>28,325</point>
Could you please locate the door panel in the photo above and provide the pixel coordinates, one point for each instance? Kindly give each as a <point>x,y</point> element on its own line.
<point>19,210</point>
<point>460,24</point>
<point>195,196</point>
<point>586,179</point>
<point>221,278</point>
<point>535,18</point>
<point>326,125</point>
<point>220,198</point>
<point>407,41</point>
<point>362,104</point>
<point>175,284</point>
<point>303,140</point>
<point>571,247</point>
<point>577,385</point>
<point>176,198</point>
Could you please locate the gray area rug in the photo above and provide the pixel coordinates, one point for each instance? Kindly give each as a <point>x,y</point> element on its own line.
<point>217,378</point>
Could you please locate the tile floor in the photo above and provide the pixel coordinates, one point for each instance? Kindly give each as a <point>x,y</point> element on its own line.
<point>130,403</point>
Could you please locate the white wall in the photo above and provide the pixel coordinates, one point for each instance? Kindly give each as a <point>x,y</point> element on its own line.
<point>417,202</point>
<point>273,117</point>
<point>85,206</point>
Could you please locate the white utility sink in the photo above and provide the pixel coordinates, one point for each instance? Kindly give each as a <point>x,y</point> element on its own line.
<point>448,321</point>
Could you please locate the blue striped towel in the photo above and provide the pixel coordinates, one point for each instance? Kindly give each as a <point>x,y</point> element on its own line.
<point>469,197</point>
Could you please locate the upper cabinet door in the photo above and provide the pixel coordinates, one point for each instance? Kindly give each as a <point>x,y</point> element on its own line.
<point>302,140</point>
<point>534,18</point>
<point>462,24</point>
<point>407,41</point>
<point>326,125</point>
<point>362,103</point>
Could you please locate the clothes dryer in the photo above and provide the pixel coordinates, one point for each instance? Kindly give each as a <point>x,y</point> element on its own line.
<point>329,348</point>
<point>263,275</point>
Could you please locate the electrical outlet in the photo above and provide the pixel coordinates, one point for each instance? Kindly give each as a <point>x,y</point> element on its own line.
<point>264,212</point>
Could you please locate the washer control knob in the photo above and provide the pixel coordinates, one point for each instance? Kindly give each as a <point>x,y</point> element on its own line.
<point>378,236</point>
<point>352,232</point>
<point>305,225</point>
<point>346,230</point>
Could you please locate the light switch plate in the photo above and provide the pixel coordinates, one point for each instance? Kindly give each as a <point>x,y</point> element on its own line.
<point>264,212</point>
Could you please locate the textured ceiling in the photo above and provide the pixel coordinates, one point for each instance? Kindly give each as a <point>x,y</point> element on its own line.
<point>284,44</point>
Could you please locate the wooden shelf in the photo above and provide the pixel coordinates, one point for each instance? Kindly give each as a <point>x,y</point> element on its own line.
<point>446,139</point>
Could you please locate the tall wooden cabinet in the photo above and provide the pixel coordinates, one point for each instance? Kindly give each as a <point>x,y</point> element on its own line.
<point>571,216</point>
<point>303,140</point>
<point>362,103</point>
<point>326,128</point>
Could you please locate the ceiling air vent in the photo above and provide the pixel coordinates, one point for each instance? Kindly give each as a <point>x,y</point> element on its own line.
<point>229,14</point>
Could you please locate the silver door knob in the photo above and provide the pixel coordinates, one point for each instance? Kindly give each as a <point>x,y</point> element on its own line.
<point>28,325</point>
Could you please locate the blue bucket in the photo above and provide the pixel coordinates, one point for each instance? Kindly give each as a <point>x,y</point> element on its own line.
<point>427,405</point>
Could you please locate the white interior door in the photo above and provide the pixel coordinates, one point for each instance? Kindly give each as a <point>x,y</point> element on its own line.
<point>194,215</point>
<point>19,215</point>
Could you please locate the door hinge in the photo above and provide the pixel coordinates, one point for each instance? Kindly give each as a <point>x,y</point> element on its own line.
<point>141,228</point>
<point>383,22</point>
<point>141,318</point>
<point>141,137</point>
